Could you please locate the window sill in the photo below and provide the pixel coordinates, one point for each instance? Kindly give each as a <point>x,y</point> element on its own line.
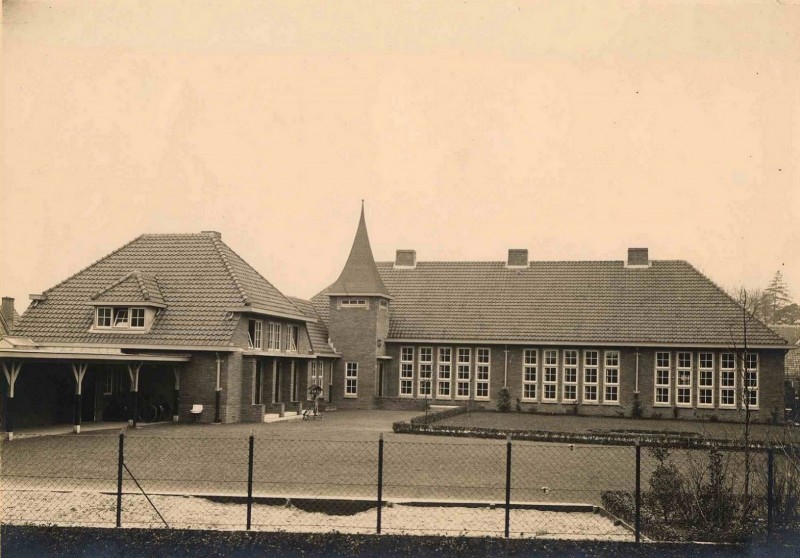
<point>351,396</point>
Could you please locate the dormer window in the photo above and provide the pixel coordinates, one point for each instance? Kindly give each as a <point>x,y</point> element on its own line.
<point>119,318</point>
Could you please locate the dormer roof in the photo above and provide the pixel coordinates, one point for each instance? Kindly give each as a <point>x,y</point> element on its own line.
<point>135,287</point>
<point>360,275</point>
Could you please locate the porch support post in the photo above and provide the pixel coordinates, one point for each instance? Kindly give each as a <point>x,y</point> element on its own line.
<point>218,393</point>
<point>78,372</point>
<point>11,373</point>
<point>133,373</point>
<point>176,394</point>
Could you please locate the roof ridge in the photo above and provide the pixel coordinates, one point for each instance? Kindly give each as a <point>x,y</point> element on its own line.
<point>216,242</point>
<point>94,263</point>
<point>114,284</point>
<point>503,262</point>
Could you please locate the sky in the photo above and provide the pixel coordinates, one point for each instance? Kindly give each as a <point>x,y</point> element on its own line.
<point>573,129</point>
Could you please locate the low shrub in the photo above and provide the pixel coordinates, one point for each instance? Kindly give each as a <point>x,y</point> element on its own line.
<point>504,400</point>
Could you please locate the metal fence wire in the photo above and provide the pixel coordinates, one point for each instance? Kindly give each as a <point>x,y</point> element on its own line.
<point>454,487</point>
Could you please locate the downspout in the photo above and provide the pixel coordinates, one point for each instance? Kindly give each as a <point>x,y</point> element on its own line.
<point>218,395</point>
<point>505,366</point>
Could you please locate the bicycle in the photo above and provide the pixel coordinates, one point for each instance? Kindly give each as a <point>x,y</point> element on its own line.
<point>312,405</point>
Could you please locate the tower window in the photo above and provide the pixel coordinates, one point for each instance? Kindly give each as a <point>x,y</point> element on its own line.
<point>353,303</point>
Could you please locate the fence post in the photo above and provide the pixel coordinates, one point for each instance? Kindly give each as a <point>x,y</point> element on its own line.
<point>380,481</point>
<point>119,477</point>
<point>638,492</point>
<point>250,482</point>
<point>508,484</point>
<point>770,489</point>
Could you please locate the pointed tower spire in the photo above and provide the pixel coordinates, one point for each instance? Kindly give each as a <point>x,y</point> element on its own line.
<point>360,274</point>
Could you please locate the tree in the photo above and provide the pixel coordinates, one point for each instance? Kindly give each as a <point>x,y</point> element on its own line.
<point>776,298</point>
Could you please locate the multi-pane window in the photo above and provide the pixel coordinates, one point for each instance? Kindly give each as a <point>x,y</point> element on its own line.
<point>406,371</point>
<point>463,367</point>
<point>550,380</point>
<point>291,338</point>
<point>254,334</point>
<point>445,372</point>
<point>293,383</point>
<point>683,380</point>
<point>591,360</point>
<point>482,373</point>
<point>137,318</point>
<point>750,391</point>
<point>530,375</point>
<point>353,303</point>
<point>108,386</point>
<point>727,380</point>
<point>425,371</point>
<point>351,379</point>
<point>662,387</point>
<point>570,392</point>
<point>274,336</point>
<point>705,380</point>
<point>611,377</point>
<point>104,317</point>
<point>258,382</point>
<point>120,317</point>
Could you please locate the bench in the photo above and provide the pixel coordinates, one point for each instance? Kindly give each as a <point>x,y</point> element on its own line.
<point>196,410</point>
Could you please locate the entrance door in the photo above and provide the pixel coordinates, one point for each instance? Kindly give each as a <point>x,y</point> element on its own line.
<point>379,383</point>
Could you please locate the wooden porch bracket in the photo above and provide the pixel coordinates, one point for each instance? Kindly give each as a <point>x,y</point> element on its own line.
<point>133,373</point>
<point>11,375</point>
<point>78,372</point>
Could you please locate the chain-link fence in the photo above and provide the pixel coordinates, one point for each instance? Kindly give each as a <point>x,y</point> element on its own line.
<point>455,486</point>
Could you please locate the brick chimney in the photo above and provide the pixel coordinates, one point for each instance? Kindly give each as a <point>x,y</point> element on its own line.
<point>517,257</point>
<point>638,257</point>
<point>406,258</point>
<point>8,311</point>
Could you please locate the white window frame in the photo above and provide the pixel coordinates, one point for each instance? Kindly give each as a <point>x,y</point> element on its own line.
<point>483,372</point>
<point>750,381</point>
<point>137,313</point>
<point>254,341</point>
<point>591,364</point>
<point>274,332</point>
<point>425,365</point>
<point>106,314</point>
<point>727,381</point>
<point>108,383</point>
<point>292,333</point>
<point>530,374</point>
<point>463,372</point>
<point>293,395</point>
<point>683,379</point>
<point>444,380</point>
<point>122,315</point>
<point>703,386</point>
<point>609,386</point>
<point>571,366</point>
<point>549,365</point>
<point>406,386</point>
<point>362,303</point>
<point>660,369</point>
<point>351,380</point>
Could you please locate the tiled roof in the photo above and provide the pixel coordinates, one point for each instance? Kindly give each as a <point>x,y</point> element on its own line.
<point>792,334</point>
<point>579,301</point>
<point>133,287</point>
<point>317,331</point>
<point>360,275</point>
<point>198,277</point>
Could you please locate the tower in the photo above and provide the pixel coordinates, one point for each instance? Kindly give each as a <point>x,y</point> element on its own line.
<point>359,324</point>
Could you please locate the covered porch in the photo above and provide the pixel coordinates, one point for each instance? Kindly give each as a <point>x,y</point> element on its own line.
<point>50,387</point>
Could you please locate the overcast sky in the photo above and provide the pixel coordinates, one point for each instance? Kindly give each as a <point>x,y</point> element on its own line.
<point>573,129</point>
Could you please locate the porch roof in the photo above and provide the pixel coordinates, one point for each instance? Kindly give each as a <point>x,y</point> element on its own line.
<point>36,352</point>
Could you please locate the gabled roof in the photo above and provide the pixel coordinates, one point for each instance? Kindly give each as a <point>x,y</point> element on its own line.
<point>360,275</point>
<point>789,332</point>
<point>317,331</point>
<point>199,279</point>
<point>133,287</point>
<point>584,302</point>
<point>792,335</point>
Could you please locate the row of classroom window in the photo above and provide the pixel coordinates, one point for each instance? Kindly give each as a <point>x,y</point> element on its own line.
<point>276,340</point>
<point>595,383</point>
